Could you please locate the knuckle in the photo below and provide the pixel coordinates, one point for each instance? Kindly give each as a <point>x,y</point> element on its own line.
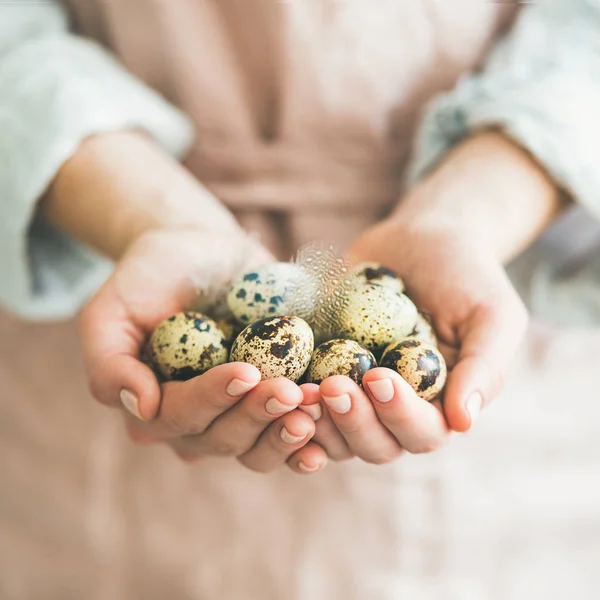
<point>341,456</point>
<point>427,446</point>
<point>351,428</point>
<point>256,467</point>
<point>383,458</point>
<point>256,420</point>
<point>182,424</point>
<point>224,447</point>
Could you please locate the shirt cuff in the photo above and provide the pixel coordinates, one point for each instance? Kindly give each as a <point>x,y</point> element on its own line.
<point>54,92</point>
<point>550,108</point>
<point>554,117</point>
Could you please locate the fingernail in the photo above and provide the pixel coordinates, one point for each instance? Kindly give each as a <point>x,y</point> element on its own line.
<point>131,402</point>
<point>288,438</point>
<point>274,407</point>
<point>473,406</point>
<point>237,387</point>
<point>307,469</point>
<point>340,404</point>
<point>382,389</point>
<point>314,411</point>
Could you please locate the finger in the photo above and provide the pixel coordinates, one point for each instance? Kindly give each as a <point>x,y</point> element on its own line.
<point>284,437</point>
<point>327,435</point>
<point>110,345</point>
<point>310,459</point>
<point>189,407</point>
<point>355,418</point>
<point>418,425</point>
<point>238,429</point>
<point>183,451</point>
<point>490,338</point>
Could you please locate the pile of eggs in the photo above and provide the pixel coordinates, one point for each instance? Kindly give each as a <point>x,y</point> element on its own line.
<point>375,324</point>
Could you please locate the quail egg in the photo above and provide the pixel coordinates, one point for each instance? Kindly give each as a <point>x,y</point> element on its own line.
<point>419,363</point>
<point>374,316</point>
<point>277,346</point>
<point>340,357</point>
<point>270,291</point>
<point>424,331</point>
<point>186,345</point>
<point>371,272</point>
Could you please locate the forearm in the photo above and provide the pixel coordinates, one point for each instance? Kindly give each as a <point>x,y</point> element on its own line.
<point>118,186</point>
<point>488,189</point>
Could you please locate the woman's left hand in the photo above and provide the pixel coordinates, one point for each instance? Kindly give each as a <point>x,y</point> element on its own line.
<point>448,241</point>
<point>480,321</point>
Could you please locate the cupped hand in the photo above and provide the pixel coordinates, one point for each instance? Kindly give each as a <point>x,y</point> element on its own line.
<point>227,411</point>
<point>457,281</point>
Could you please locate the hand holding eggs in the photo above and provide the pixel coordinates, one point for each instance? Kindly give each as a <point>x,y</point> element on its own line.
<point>273,310</point>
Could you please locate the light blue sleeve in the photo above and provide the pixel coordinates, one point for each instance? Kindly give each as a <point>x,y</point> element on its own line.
<point>56,89</point>
<point>541,86</point>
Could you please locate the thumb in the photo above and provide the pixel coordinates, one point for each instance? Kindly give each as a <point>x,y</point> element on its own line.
<point>491,336</point>
<point>111,345</point>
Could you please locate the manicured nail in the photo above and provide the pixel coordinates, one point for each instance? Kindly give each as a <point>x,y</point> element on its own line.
<point>288,438</point>
<point>131,402</point>
<point>473,406</point>
<point>382,389</point>
<point>274,407</point>
<point>314,411</point>
<point>237,387</point>
<point>307,469</point>
<point>340,404</point>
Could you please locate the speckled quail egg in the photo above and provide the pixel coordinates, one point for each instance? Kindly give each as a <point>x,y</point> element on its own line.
<point>340,357</point>
<point>272,290</point>
<point>277,346</point>
<point>186,345</point>
<point>424,331</point>
<point>374,316</point>
<point>372,272</point>
<point>419,363</point>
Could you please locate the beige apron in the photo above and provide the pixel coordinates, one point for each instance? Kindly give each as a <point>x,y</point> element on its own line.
<point>305,111</point>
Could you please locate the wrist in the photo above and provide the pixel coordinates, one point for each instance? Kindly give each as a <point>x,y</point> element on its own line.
<point>117,187</point>
<point>487,190</point>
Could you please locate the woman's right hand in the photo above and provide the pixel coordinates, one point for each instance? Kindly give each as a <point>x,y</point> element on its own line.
<point>227,411</point>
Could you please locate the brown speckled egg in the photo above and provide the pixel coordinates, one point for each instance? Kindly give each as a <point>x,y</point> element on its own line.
<point>269,291</point>
<point>375,316</point>
<point>372,272</point>
<point>187,345</point>
<point>277,346</point>
<point>424,331</point>
<point>419,363</point>
<point>340,357</point>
